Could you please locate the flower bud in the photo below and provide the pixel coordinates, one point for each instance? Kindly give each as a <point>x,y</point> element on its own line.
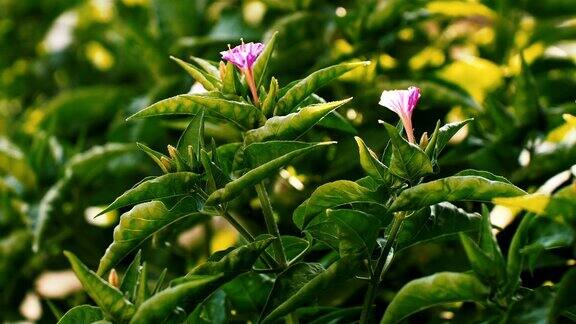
<point>113,278</point>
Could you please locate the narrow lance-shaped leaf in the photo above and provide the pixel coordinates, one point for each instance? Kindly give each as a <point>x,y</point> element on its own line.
<point>445,133</point>
<point>242,114</point>
<point>228,75</point>
<point>338,273</point>
<point>292,126</point>
<point>192,136</point>
<point>270,100</point>
<point>130,279</point>
<point>235,262</point>
<point>171,185</point>
<point>254,176</point>
<point>263,60</point>
<point>208,81</point>
<point>141,222</point>
<point>157,308</point>
<point>207,66</point>
<point>110,299</point>
<point>257,154</point>
<point>408,160</point>
<point>440,288</point>
<point>372,166</point>
<point>305,87</point>
<point>82,314</point>
<point>289,282</point>
<point>453,188</point>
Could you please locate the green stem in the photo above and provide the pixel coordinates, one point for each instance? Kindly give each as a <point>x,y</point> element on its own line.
<point>380,267</point>
<point>271,225</point>
<point>247,236</point>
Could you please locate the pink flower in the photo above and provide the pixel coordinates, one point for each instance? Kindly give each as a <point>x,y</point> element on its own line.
<point>244,56</point>
<point>402,102</point>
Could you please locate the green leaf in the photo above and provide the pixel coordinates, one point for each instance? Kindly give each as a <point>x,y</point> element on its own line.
<point>545,234</point>
<point>257,154</point>
<point>526,105</point>
<point>208,81</point>
<point>533,306</point>
<point>408,160</point>
<point>357,231</point>
<point>82,314</point>
<point>336,121</point>
<point>191,293</point>
<point>254,176</point>
<point>241,114</point>
<point>110,299</point>
<point>229,80</point>
<point>292,126</point>
<point>332,195</point>
<point>564,299</point>
<point>372,166</point>
<point>443,220</point>
<point>289,282</point>
<point>140,223</point>
<point>455,188</point>
<point>515,259</point>
<point>157,157</point>
<point>263,61</point>
<point>445,133</point>
<point>481,263</point>
<point>89,165</point>
<point>270,100</point>
<point>208,66</point>
<point>193,136</point>
<point>171,185</point>
<point>130,279</point>
<point>235,262</point>
<point>337,274</point>
<point>142,290</point>
<point>307,86</point>
<point>440,288</point>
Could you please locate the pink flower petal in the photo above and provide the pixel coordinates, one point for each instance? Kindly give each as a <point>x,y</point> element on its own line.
<point>243,55</point>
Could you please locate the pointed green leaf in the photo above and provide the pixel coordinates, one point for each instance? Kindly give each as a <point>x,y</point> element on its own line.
<point>110,299</point>
<point>336,121</point>
<point>408,160</point>
<point>443,220</point>
<point>140,223</point>
<point>337,274</point>
<point>254,176</point>
<point>236,261</point>
<point>564,299</point>
<point>229,81</point>
<point>157,157</point>
<point>292,126</point>
<point>481,263</point>
<point>142,291</point>
<point>440,288</point>
<point>257,154</point>
<point>192,136</point>
<point>239,113</point>
<point>130,279</point>
<point>270,100</point>
<point>263,61</point>
<point>453,188</point>
<point>208,66</point>
<point>332,195</point>
<point>307,86</point>
<point>289,282</point>
<point>82,314</point>
<point>372,166</point>
<point>208,81</point>
<point>171,185</point>
<point>191,293</point>
<point>357,231</point>
<point>445,133</point>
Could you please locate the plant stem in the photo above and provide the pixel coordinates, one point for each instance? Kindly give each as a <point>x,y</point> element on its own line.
<point>247,236</point>
<point>271,225</point>
<point>380,267</point>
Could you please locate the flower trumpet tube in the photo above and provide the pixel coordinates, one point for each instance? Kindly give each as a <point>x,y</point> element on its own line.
<point>402,102</point>
<point>243,57</point>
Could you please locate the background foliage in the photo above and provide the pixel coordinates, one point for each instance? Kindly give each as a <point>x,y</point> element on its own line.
<point>71,72</point>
